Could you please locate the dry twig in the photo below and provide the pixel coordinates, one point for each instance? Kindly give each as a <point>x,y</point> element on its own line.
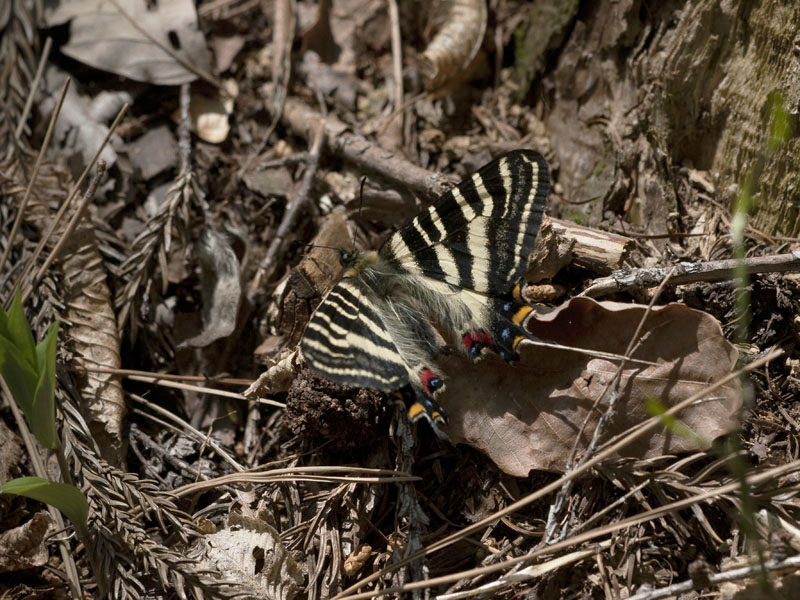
<point>690,272</point>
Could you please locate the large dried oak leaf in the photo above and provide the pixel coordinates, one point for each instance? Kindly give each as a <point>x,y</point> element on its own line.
<point>528,416</point>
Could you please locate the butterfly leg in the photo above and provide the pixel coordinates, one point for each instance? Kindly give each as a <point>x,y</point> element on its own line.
<point>508,318</point>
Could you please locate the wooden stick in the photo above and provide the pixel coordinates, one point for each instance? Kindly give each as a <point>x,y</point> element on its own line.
<point>689,272</point>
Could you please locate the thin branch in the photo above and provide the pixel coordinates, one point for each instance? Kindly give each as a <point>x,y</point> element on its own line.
<point>397,67</point>
<point>690,272</point>
<point>283,38</point>
<point>362,153</point>
<point>155,379</point>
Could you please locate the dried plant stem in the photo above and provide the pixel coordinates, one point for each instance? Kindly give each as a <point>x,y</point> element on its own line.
<point>48,44</point>
<point>65,205</point>
<point>364,154</point>
<point>73,578</point>
<point>645,428</point>
<point>690,272</point>
<point>155,379</point>
<point>150,376</point>
<point>39,158</point>
<point>87,197</point>
<point>397,68</point>
<point>283,38</point>
<point>198,435</point>
<point>677,589</point>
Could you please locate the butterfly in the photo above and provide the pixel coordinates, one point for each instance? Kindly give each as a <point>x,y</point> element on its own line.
<point>448,278</point>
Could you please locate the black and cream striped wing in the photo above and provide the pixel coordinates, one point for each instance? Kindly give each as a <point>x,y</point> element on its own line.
<point>346,341</point>
<point>478,236</point>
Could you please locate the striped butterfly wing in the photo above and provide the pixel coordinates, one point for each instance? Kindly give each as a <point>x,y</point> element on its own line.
<point>478,236</point>
<point>347,342</point>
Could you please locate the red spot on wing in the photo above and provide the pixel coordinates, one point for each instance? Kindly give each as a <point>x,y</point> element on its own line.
<point>426,377</point>
<point>478,337</point>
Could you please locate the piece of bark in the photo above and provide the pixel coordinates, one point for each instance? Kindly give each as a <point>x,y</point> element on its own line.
<point>636,94</point>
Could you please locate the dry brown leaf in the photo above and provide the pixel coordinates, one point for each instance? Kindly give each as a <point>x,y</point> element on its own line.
<point>94,336</point>
<point>528,416</point>
<point>157,44</point>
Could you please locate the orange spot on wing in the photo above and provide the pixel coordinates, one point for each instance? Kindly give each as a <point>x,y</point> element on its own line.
<point>520,315</point>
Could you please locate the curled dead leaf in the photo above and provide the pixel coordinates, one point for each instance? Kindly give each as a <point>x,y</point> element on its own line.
<point>529,416</point>
<point>461,26</point>
<point>277,378</point>
<point>219,267</point>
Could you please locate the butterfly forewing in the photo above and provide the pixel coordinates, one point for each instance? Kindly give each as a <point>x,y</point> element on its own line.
<point>444,277</point>
<point>478,235</point>
<point>347,341</point>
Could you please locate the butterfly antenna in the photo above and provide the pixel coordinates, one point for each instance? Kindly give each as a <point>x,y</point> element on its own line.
<point>360,207</point>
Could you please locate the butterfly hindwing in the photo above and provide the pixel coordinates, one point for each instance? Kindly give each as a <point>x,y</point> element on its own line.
<point>478,235</point>
<point>347,341</point>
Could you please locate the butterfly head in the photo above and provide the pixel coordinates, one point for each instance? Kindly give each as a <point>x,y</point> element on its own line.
<point>347,257</point>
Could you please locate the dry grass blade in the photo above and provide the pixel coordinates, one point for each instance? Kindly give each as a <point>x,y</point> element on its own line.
<point>61,211</point>
<point>357,475</point>
<point>48,44</point>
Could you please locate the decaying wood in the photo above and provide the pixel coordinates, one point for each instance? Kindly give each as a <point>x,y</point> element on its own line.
<point>596,250</point>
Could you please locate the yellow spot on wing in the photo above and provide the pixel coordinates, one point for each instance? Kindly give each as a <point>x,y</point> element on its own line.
<point>415,411</point>
<point>520,315</point>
